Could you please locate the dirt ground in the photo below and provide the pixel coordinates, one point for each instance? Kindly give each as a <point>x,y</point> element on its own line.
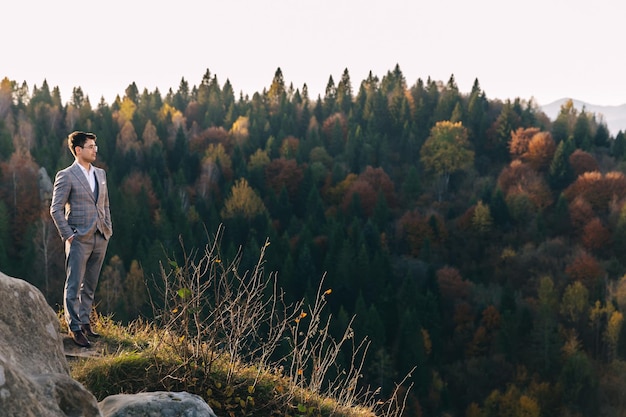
<point>74,351</point>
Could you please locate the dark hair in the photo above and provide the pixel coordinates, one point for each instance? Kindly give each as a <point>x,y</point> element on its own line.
<point>78,138</point>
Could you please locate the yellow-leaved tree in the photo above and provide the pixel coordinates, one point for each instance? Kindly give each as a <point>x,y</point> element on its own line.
<point>243,202</point>
<point>446,151</point>
<point>482,220</point>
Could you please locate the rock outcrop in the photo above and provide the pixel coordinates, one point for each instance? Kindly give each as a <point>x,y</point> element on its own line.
<point>34,374</point>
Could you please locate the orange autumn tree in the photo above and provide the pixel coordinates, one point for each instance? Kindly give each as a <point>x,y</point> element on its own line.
<point>532,146</point>
<point>416,229</point>
<point>380,182</point>
<point>368,186</point>
<point>452,285</point>
<point>580,211</point>
<point>286,173</point>
<point>541,149</point>
<point>595,236</point>
<point>366,197</point>
<point>586,269</point>
<point>521,179</point>
<point>597,189</point>
<point>484,334</point>
<point>582,162</point>
<point>199,142</point>
<point>520,139</point>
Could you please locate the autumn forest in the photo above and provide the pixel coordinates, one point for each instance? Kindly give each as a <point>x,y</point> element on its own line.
<point>472,239</point>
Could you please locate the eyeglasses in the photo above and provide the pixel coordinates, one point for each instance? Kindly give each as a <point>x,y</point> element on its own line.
<point>94,147</point>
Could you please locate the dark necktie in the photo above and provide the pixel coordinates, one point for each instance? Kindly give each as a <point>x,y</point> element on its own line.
<point>95,189</point>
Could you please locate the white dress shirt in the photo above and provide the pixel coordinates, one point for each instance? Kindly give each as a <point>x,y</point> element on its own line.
<point>91,177</point>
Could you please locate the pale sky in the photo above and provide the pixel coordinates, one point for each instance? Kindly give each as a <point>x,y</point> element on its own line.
<point>541,49</point>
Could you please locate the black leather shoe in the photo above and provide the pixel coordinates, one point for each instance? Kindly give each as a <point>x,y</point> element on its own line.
<point>88,331</point>
<point>80,339</point>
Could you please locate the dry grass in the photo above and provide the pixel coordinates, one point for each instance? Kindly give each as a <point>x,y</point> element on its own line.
<point>228,336</point>
<point>129,363</point>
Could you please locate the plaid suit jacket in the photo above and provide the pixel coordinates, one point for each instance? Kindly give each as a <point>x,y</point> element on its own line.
<point>74,207</point>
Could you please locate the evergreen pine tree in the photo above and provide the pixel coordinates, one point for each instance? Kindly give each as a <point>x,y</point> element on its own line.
<point>582,132</point>
<point>618,150</point>
<point>601,137</point>
<point>561,173</point>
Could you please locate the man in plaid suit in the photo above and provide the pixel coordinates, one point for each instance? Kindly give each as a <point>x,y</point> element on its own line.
<point>80,210</point>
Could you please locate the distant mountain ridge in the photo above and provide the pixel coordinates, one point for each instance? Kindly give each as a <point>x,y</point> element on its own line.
<point>614,116</point>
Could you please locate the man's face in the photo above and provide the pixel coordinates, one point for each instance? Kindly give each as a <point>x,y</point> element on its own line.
<point>88,152</point>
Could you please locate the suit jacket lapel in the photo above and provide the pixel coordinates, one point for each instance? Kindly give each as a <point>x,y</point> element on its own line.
<point>78,173</point>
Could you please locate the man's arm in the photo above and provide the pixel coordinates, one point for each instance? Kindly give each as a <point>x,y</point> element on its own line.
<point>60,195</point>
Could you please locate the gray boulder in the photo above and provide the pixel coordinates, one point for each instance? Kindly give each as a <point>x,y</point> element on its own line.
<point>34,374</point>
<point>155,404</point>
